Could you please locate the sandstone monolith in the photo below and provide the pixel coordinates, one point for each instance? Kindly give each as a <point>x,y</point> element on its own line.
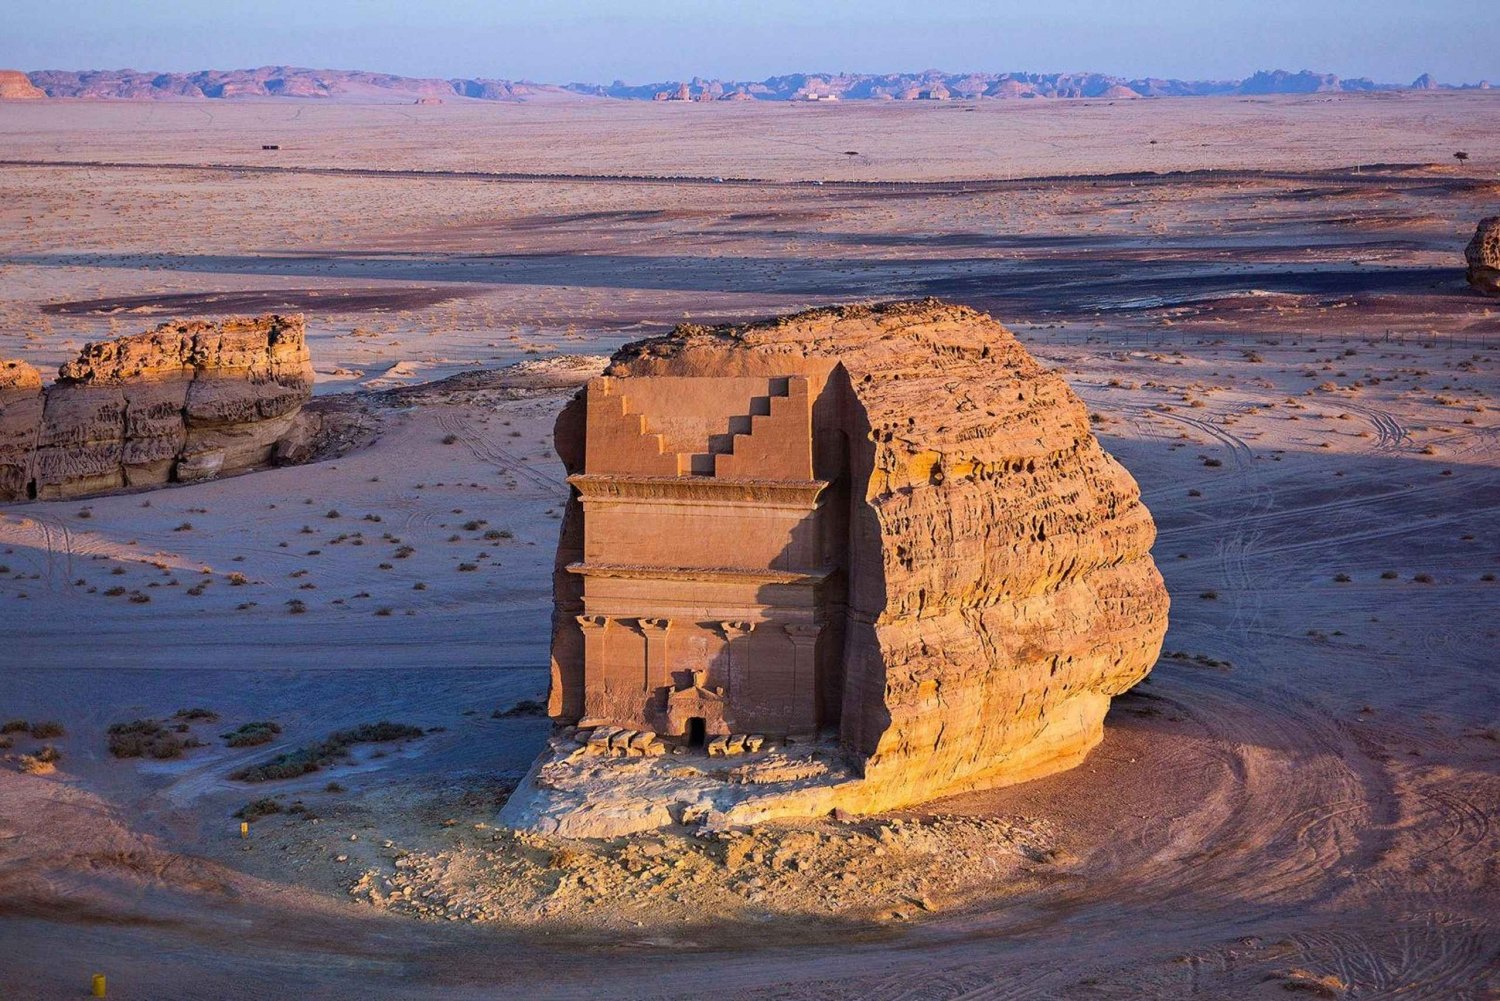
<point>902,506</point>
<point>1483,256</point>
<point>188,400</point>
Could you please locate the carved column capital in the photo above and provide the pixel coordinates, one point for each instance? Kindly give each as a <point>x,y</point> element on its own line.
<point>734,630</point>
<point>655,625</point>
<point>803,633</point>
<point>589,623</point>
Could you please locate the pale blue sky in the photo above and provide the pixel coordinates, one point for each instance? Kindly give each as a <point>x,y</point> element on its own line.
<point>645,40</point>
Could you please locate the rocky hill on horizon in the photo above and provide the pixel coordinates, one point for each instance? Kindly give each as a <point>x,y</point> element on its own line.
<point>361,85</point>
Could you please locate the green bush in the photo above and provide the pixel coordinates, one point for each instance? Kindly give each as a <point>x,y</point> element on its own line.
<point>252,734</point>
<point>303,760</point>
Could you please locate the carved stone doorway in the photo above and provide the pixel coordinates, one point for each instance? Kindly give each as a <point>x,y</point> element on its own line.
<point>697,731</point>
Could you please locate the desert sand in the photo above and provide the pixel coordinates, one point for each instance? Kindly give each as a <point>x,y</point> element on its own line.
<point>1283,352</point>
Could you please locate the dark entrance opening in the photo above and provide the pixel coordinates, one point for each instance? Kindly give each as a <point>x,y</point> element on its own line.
<point>697,731</point>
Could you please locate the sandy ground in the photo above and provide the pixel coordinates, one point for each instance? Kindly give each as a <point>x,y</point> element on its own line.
<point>1302,796</point>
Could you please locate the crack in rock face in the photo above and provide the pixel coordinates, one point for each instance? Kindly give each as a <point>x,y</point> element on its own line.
<point>970,585</point>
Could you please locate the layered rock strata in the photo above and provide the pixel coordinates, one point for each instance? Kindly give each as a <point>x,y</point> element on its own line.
<point>989,581</point>
<point>16,86</point>
<point>185,401</point>
<point>20,423</point>
<point>1483,256</point>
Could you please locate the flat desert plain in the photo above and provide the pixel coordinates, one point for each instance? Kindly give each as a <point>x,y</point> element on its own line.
<point>1261,300</point>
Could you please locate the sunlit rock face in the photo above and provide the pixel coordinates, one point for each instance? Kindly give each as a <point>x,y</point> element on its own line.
<point>1483,256</point>
<point>888,526</point>
<point>185,401</point>
<point>20,421</point>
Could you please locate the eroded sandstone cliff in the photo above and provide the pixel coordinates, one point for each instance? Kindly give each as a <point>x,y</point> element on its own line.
<point>185,401</point>
<point>1000,588</point>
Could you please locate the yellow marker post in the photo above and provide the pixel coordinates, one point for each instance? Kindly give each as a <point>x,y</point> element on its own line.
<point>98,985</point>
<point>244,828</point>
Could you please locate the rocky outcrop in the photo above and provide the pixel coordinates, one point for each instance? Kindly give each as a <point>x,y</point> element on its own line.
<point>1483,256</point>
<point>20,421</point>
<point>185,401</point>
<point>16,86</point>
<point>997,569</point>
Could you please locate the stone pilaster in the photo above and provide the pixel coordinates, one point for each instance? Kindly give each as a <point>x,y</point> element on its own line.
<point>655,632</point>
<point>802,713</point>
<point>739,659</point>
<point>594,629</point>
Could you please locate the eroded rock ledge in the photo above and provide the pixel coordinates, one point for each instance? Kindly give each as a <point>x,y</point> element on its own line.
<point>188,400</point>
<point>999,588</point>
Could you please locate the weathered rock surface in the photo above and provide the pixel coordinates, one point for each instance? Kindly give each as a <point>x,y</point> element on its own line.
<point>185,401</point>
<point>20,421</point>
<point>1483,255</point>
<point>16,86</point>
<point>1000,588</point>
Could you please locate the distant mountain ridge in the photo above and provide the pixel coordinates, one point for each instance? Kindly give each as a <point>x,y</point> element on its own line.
<point>934,85</point>
<point>272,81</point>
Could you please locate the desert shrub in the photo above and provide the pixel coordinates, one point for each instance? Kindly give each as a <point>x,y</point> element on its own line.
<point>1423,578</point>
<point>1389,575</point>
<point>1209,595</point>
<point>374,732</point>
<point>140,599</point>
<point>145,738</point>
<point>186,526</point>
<point>252,734</point>
<point>258,808</point>
<point>1342,578</point>
<point>450,439</point>
<point>283,766</point>
<point>467,567</point>
<point>6,742</point>
<point>46,729</point>
<point>333,787</point>
<point>15,726</point>
<point>1212,463</point>
<point>309,759</point>
<point>195,714</point>
<point>41,762</point>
